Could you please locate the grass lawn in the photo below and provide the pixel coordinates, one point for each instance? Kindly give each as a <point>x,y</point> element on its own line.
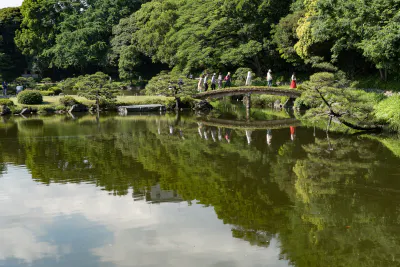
<point>53,101</point>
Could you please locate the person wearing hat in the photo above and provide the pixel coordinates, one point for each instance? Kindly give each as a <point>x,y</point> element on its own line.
<point>213,81</point>
<point>227,80</point>
<point>269,78</point>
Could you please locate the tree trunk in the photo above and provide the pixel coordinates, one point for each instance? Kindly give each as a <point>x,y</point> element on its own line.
<point>257,66</point>
<point>386,72</point>
<point>381,74</point>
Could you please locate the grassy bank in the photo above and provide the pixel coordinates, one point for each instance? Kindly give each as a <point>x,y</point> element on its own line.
<point>52,103</point>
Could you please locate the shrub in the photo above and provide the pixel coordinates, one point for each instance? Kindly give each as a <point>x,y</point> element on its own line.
<point>43,86</point>
<point>68,101</point>
<point>106,103</point>
<point>240,76</point>
<point>7,102</point>
<point>47,93</point>
<point>188,102</point>
<point>159,84</point>
<point>16,109</point>
<point>263,101</point>
<point>46,80</point>
<point>60,107</point>
<point>56,90</point>
<point>45,110</point>
<point>30,97</point>
<point>388,111</point>
<point>259,82</point>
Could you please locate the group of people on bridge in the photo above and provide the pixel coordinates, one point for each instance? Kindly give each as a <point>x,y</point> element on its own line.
<point>224,82</point>
<point>221,82</point>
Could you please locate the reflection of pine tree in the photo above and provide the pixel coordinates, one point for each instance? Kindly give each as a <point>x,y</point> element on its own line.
<point>341,217</point>
<point>329,162</point>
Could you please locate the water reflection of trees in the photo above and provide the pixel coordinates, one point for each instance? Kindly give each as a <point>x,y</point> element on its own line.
<point>328,202</point>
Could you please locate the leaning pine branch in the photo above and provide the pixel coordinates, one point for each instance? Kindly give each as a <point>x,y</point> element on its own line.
<point>348,124</point>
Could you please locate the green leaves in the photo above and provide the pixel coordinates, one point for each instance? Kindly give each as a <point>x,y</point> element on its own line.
<point>12,62</point>
<point>70,35</point>
<point>193,35</point>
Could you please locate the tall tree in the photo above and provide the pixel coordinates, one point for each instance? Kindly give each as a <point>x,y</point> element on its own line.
<point>12,62</point>
<point>74,34</point>
<point>189,34</point>
<point>368,27</point>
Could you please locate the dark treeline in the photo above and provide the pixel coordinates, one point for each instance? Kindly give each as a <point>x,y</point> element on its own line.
<point>128,38</point>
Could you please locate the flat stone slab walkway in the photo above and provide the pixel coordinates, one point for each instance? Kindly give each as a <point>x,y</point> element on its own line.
<point>142,108</point>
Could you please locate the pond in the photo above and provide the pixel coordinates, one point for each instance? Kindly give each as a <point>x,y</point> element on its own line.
<point>180,190</point>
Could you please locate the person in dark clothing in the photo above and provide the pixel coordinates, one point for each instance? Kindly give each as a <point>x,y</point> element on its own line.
<point>227,80</point>
<point>205,83</point>
<point>5,85</point>
<point>213,81</point>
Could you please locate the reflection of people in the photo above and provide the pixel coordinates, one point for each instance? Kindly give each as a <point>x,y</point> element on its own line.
<point>213,133</point>
<point>228,135</point>
<point>269,78</point>
<point>292,132</point>
<point>205,134</point>
<point>199,129</point>
<point>219,134</point>
<point>248,136</point>
<point>269,137</point>
<point>293,84</point>
<point>248,79</point>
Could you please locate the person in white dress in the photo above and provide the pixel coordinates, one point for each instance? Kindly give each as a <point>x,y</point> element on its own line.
<point>200,84</point>
<point>248,79</point>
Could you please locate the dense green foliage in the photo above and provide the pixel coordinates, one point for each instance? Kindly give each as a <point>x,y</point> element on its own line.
<point>163,83</point>
<point>97,87</point>
<point>6,102</point>
<point>12,63</point>
<point>68,101</point>
<point>388,111</point>
<point>119,37</point>
<point>30,97</point>
<point>351,105</point>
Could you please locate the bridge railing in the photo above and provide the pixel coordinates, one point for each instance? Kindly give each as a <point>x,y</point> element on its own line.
<point>249,90</point>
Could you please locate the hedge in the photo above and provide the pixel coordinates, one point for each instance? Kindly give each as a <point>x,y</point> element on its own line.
<point>30,97</point>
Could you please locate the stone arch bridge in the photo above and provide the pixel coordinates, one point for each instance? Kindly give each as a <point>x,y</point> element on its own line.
<point>248,90</point>
<point>251,90</point>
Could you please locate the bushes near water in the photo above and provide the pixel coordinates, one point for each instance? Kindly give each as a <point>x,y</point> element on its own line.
<point>7,102</point>
<point>159,84</point>
<point>388,111</point>
<point>68,101</point>
<point>263,101</point>
<point>30,97</point>
<point>47,93</point>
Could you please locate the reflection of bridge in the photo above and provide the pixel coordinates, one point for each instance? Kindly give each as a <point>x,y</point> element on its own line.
<point>248,90</point>
<point>250,125</point>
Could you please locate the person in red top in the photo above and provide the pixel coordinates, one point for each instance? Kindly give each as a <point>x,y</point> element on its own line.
<point>292,132</point>
<point>293,84</point>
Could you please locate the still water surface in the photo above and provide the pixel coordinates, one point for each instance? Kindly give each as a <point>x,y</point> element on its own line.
<point>179,191</point>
